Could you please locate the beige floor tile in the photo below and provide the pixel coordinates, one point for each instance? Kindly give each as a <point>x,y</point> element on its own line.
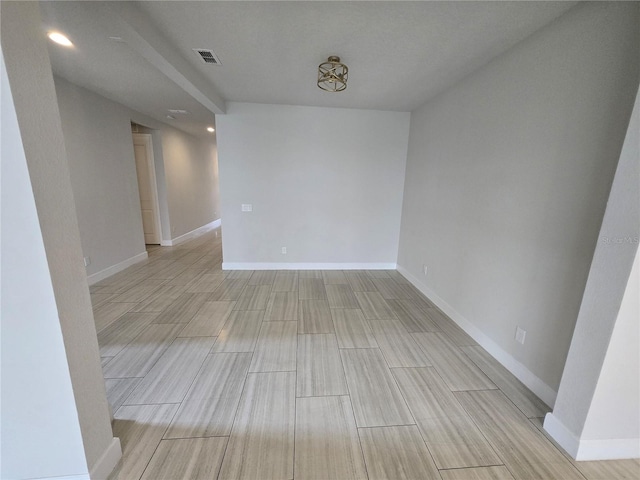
<point>253,297</point>
<point>373,306</point>
<point>378,274</point>
<point>122,331</point>
<point>206,283</point>
<point>397,345</point>
<point>135,294</point>
<point>139,356</point>
<point>105,360</point>
<point>374,394</point>
<point>276,348</point>
<point>108,313</point>
<point>412,316</point>
<point>397,277</point>
<point>341,296</point>
<point>262,439</point>
<point>319,367</point>
<point>186,277</point>
<point>451,435</point>
<point>208,321</point>
<point>285,282</point>
<point>319,419</point>
<point>314,316</point>
<point>118,389</point>
<point>513,388</point>
<point>610,469</point>
<point>239,274</point>
<point>229,289</point>
<point>140,429</point>
<point>160,299</point>
<point>183,308</point>
<point>173,373</point>
<point>98,299</point>
<point>396,453</point>
<point>282,306</point>
<point>263,277</point>
<point>333,277</point>
<point>448,326</point>
<point>210,404</point>
<point>352,329</point>
<point>240,332</point>
<point>458,372</point>
<point>187,458</point>
<point>389,289</point>
<point>525,451</point>
<point>360,282</point>
<point>478,473</point>
<point>311,289</point>
<point>317,274</point>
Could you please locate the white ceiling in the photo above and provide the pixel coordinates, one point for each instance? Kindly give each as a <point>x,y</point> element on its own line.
<point>400,54</point>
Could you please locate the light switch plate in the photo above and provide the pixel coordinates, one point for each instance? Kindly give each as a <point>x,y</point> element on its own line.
<point>247,207</point>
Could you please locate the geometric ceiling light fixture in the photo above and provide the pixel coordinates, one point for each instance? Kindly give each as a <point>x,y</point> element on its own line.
<point>332,75</point>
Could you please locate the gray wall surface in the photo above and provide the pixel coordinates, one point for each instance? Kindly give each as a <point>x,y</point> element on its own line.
<point>508,175</point>
<point>324,182</point>
<point>103,175</point>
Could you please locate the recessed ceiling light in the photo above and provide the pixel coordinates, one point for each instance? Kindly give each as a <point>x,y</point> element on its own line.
<point>60,39</point>
<point>211,129</point>
<point>116,39</point>
<point>178,111</point>
<point>171,117</point>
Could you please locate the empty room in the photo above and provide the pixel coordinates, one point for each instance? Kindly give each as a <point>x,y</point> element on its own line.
<point>327,240</point>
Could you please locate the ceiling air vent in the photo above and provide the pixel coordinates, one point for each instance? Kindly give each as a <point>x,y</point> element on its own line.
<point>208,56</point>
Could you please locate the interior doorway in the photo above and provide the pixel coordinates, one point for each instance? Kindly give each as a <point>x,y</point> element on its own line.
<point>145,169</point>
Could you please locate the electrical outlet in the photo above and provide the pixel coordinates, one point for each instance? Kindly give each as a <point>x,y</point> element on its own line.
<point>87,261</point>
<point>246,207</point>
<point>284,250</point>
<point>520,335</point>
<point>424,270</point>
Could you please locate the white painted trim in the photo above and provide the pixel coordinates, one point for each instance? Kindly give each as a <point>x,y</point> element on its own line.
<point>192,234</point>
<point>561,434</point>
<point>151,172</point>
<point>588,450</point>
<point>118,267</point>
<point>107,461</point>
<point>522,373</point>
<point>307,266</point>
<point>609,449</point>
<point>81,476</point>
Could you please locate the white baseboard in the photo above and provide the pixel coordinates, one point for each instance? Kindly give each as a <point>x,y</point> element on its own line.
<point>192,234</point>
<point>307,266</point>
<point>522,373</point>
<point>82,476</point>
<point>118,267</point>
<point>561,434</point>
<point>587,450</point>
<point>108,461</point>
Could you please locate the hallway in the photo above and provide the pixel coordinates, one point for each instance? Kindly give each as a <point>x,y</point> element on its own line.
<point>308,374</point>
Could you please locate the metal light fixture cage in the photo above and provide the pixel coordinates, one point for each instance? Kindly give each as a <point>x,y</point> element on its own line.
<point>332,75</point>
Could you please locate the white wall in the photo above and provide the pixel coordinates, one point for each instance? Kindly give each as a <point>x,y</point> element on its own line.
<point>324,182</point>
<point>37,350</point>
<point>38,413</point>
<point>191,171</point>
<point>597,412</point>
<point>103,174</point>
<point>615,409</point>
<point>508,174</point>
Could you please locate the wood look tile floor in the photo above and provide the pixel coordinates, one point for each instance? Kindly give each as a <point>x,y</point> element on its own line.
<point>281,375</point>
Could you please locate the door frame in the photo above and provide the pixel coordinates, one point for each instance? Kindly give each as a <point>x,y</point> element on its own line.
<point>151,172</point>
